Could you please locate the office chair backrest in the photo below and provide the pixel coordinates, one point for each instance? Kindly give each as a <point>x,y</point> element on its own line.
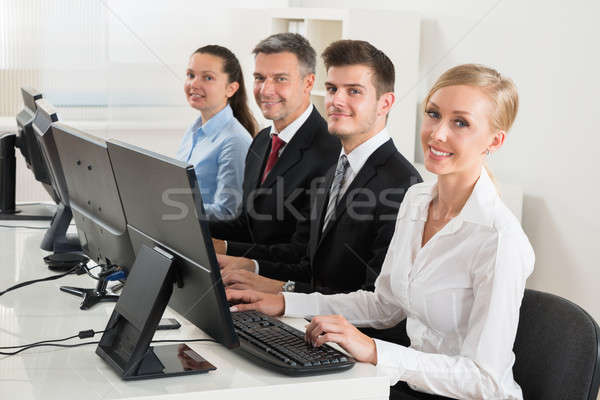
<point>556,349</point>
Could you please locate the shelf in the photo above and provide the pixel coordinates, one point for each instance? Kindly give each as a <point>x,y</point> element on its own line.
<point>289,25</point>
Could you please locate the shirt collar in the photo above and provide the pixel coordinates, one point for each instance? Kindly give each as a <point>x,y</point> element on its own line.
<point>289,131</point>
<point>478,209</point>
<point>359,156</point>
<point>480,205</point>
<point>215,124</point>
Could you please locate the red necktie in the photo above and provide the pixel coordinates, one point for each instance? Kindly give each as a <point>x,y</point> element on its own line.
<point>276,145</point>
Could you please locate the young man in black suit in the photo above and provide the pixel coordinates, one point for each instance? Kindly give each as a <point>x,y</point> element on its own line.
<point>285,158</point>
<point>355,212</point>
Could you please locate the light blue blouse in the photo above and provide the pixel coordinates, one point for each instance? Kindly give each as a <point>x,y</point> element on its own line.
<point>217,150</point>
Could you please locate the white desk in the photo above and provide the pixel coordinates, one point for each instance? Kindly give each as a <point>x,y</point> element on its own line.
<point>41,312</point>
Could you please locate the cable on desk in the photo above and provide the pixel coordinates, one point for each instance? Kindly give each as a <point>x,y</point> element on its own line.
<point>24,227</point>
<point>85,267</point>
<point>82,335</point>
<point>44,345</point>
<point>49,278</point>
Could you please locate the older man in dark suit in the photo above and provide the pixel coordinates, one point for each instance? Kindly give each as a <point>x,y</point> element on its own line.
<point>285,158</point>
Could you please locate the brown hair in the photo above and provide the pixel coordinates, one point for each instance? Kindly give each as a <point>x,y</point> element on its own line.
<point>239,100</point>
<point>358,52</point>
<point>501,90</point>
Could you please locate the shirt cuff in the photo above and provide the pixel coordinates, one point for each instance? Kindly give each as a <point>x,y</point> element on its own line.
<point>255,266</point>
<point>395,360</point>
<point>300,305</point>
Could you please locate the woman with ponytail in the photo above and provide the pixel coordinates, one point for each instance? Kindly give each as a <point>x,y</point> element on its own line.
<point>217,143</point>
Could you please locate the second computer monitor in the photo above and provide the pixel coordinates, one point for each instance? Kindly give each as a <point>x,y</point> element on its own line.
<point>93,196</point>
<point>45,116</point>
<point>27,142</point>
<point>163,208</point>
<point>56,239</point>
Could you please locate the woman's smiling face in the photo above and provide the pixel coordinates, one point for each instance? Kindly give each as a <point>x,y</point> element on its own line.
<point>456,131</point>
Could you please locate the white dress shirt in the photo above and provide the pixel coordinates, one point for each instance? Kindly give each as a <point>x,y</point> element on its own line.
<point>359,156</point>
<point>289,131</point>
<point>460,294</point>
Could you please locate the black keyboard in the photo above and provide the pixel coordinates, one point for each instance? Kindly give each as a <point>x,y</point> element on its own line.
<point>281,347</point>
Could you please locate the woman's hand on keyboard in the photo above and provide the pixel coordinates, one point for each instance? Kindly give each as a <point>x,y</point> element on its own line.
<point>336,329</point>
<point>244,300</point>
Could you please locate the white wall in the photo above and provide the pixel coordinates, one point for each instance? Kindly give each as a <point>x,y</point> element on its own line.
<point>108,59</point>
<point>549,48</point>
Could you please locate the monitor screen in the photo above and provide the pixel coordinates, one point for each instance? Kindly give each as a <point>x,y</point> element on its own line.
<point>93,196</point>
<point>27,142</point>
<point>42,123</point>
<point>25,116</point>
<point>163,208</point>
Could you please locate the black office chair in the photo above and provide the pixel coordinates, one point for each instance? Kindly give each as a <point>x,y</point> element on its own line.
<point>556,349</point>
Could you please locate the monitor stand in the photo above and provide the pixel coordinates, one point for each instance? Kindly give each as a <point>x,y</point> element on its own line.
<point>56,238</point>
<point>8,173</point>
<point>125,344</point>
<point>66,248</point>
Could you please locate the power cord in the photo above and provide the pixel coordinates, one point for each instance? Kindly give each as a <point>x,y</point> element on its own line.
<point>81,335</point>
<point>49,278</point>
<point>44,345</point>
<point>24,227</point>
<point>87,270</point>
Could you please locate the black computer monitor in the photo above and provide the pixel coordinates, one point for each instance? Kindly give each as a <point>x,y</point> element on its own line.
<point>55,239</point>
<point>95,203</point>
<point>25,140</point>
<point>168,231</point>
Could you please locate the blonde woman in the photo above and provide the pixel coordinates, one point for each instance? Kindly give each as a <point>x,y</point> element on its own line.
<point>456,266</point>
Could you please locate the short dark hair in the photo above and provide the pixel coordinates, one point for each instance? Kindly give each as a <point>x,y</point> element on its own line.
<point>358,52</point>
<point>293,43</point>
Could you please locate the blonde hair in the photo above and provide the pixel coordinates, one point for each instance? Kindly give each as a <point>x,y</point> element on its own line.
<point>501,90</point>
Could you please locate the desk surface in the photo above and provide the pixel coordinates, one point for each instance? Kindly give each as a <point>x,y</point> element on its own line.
<point>41,312</point>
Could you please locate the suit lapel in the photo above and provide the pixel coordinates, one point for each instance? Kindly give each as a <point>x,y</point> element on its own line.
<point>257,157</point>
<point>365,175</point>
<point>320,206</point>
<point>291,156</point>
<point>292,152</point>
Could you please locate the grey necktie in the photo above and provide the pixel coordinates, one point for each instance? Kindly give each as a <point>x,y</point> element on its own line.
<point>336,186</point>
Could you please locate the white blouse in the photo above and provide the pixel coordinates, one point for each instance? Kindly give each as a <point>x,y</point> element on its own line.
<point>460,294</point>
